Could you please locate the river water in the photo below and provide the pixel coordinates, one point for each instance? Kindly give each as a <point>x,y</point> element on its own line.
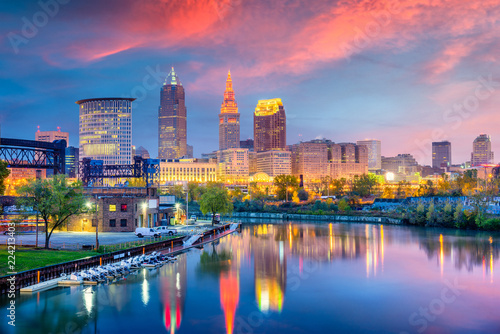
<point>292,278</point>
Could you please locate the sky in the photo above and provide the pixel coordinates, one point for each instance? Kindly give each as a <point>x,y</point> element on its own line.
<point>404,72</point>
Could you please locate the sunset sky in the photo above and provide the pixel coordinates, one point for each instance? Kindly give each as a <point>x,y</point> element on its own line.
<point>404,72</point>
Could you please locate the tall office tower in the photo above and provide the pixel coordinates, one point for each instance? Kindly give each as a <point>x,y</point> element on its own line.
<point>50,136</point>
<point>481,151</point>
<point>71,159</point>
<point>269,126</point>
<point>229,119</point>
<point>441,154</point>
<point>172,127</point>
<point>106,130</point>
<point>374,153</point>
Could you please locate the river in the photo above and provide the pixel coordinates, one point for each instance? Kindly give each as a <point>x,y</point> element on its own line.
<point>292,278</point>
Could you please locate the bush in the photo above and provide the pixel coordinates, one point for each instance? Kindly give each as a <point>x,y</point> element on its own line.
<point>491,224</point>
<point>303,195</point>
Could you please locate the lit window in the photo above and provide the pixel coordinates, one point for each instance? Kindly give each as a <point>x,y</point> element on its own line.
<point>112,208</point>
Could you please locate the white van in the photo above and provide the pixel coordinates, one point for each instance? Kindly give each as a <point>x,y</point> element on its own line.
<point>166,230</point>
<point>146,232</point>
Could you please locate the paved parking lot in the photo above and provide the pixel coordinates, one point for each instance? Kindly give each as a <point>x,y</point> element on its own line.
<point>75,240</point>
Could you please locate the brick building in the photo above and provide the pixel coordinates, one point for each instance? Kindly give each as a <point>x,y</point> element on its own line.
<point>119,210</point>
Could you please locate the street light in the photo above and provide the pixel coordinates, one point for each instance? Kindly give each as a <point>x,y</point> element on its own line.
<point>287,190</point>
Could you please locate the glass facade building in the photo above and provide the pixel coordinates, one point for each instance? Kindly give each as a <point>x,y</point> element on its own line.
<point>106,130</point>
<point>172,125</point>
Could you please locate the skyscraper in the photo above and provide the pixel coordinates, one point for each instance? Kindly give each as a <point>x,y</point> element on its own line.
<point>481,151</point>
<point>172,127</point>
<point>229,119</point>
<point>106,130</point>
<point>374,153</point>
<point>269,126</point>
<point>441,154</point>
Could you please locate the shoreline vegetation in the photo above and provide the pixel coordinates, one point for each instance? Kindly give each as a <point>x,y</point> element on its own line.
<point>423,213</point>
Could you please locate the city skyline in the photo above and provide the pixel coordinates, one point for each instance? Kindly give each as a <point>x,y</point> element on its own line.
<point>405,85</point>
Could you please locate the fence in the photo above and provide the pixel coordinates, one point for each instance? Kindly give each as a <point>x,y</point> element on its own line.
<point>34,276</point>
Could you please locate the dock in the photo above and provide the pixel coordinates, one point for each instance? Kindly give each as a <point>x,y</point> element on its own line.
<point>42,286</point>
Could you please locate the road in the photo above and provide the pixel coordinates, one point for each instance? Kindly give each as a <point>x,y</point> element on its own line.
<point>75,240</point>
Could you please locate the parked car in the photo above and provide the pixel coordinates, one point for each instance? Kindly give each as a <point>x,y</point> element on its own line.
<point>193,218</point>
<point>146,232</point>
<point>166,230</point>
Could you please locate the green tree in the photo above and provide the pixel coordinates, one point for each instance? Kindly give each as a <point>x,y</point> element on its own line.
<point>343,206</point>
<point>284,184</point>
<point>194,191</point>
<point>303,194</point>
<point>338,186</point>
<point>4,173</point>
<point>54,200</point>
<point>364,185</point>
<point>215,200</point>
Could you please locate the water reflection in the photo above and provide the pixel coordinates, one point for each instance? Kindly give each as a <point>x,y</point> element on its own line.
<point>269,267</point>
<point>173,287</point>
<point>360,269</point>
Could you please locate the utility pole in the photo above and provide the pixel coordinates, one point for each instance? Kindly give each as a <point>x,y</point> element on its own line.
<point>96,225</point>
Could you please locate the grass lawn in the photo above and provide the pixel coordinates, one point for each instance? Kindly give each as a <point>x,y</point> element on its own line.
<point>30,258</point>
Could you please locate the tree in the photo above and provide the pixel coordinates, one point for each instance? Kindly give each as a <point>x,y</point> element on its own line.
<point>54,200</point>
<point>4,173</point>
<point>215,200</point>
<point>284,184</point>
<point>303,194</point>
<point>338,186</point>
<point>194,191</point>
<point>343,206</point>
<point>364,184</point>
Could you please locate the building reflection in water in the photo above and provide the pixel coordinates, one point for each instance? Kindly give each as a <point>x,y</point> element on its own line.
<point>269,266</point>
<point>173,289</point>
<point>229,296</point>
<point>461,251</point>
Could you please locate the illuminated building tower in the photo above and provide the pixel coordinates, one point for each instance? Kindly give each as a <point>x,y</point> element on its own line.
<point>106,130</point>
<point>481,151</point>
<point>269,126</point>
<point>229,119</point>
<point>172,128</point>
<point>441,154</point>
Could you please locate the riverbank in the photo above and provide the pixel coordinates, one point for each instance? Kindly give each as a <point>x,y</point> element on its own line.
<point>334,218</point>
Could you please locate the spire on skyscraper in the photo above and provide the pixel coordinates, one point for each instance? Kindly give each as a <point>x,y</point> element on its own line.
<point>229,118</point>
<point>172,78</point>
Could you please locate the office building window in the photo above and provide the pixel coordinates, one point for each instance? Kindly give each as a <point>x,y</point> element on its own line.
<point>112,208</point>
<point>123,222</point>
<point>112,223</point>
<point>124,207</point>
